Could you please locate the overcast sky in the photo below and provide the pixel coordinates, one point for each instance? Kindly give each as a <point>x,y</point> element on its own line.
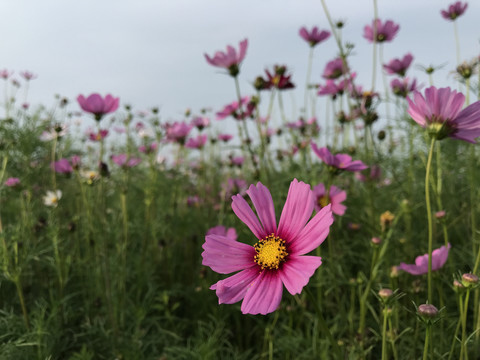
<point>150,52</point>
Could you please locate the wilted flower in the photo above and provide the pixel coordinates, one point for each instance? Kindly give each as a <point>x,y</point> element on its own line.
<point>97,105</point>
<point>454,10</point>
<point>439,257</point>
<point>52,197</point>
<point>230,59</point>
<point>399,66</point>
<point>382,31</point>
<point>440,112</point>
<point>315,36</point>
<point>278,258</point>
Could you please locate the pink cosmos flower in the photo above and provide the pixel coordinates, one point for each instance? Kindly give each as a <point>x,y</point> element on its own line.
<point>278,258</point>
<point>234,186</point>
<point>315,36</point>
<point>234,110</point>
<point>375,174</point>
<point>5,74</point>
<point>196,142</point>
<point>278,78</point>
<point>121,160</point>
<point>384,31</point>
<point>439,257</point>
<point>201,122</point>
<point>335,197</point>
<point>230,59</point>
<point>402,87</point>
<point>440,111</point>
<point>454,10</point>
<point>225,137</point>
<point>237,160</point>
<point>148,149</point>
<point>229,233</point>
<point>62,166</point>
<point>27,75</point>
<point>334,69</point>
<point>102,134</point>
<point>339,161</point>
<point>12,182</point>
<point>399,66</point>
<point>178,131</point>
<point>98,106</point>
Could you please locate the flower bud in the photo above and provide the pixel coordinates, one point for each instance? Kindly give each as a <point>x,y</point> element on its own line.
<point>427,311</point>
<point>385,293</point>
<point>469,280</point>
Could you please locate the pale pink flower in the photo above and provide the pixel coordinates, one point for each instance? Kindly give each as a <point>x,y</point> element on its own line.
<point>315,36</point>
<point>439,258</point>
<point>383,31</point>
<point>230,59</point>
<point>335,197</point>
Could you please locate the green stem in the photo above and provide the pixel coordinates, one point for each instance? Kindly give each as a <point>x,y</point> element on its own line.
<point>426,346</point>
<point>429,217</point>
<point>22,301</point>
<point>384,333</point>
<point>323,325</point>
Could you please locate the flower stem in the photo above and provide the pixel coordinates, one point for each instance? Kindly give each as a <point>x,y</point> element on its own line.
<point>426,346</point>
<point>429,217</point>
<point>384,333</point>
<point>323,325</point>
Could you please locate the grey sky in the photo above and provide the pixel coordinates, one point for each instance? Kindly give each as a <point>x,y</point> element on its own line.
<point>150,53</point>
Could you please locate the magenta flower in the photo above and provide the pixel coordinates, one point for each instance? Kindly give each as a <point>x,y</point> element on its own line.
<point>384,31</point>
<point>334,69</point>
<point>454,10</point>
<point>62,166</point>
<point>278,78</point>
<point>402,87</point>
<point>178,131</point>
<point>12,182</point>
<point>230,59</point>
<point>98,106</point>
<point>221,230</point>
<point>440,112</point>
<point>233,109</point>
<point>339,161</point>
<point>399,66</point>
<point>201,122</point>
<point>315,36</point>
<point>439,257</point>
<point>225,137</point>
<point>237,161</point>
<point>102,134</point>
<point>335,197</point>
<point>278,258</point>
<point>196,142</point>
<point>123,161</point>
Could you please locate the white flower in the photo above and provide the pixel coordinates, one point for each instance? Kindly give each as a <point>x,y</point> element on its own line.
<point>52,197</point>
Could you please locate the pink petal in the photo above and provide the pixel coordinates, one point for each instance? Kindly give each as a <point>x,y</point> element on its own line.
<point>263,203</point>
<point>297,270</point>
<point>313,234</point>
<point>245,213</point>
<point>297,210</point>
<point>234,288</point>
<point>224,255</point>
<point>264,295</point>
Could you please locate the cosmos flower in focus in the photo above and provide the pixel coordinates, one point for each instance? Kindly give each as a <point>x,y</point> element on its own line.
<point>383,31</point>
<point>338,161</point>
<point>439,258</point>
<point>335,197</point>
<point>454,11</point>
<point>440,112</point>
<point>97,105</point>
<point>230,59</point>
<point>315,36</point>
<point>399,66</point>
<point>278,258</point>
<point>52,198</point>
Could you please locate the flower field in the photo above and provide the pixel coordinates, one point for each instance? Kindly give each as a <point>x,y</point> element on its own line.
<point>345,228</point>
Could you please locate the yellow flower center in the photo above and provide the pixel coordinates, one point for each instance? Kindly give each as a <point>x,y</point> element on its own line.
<point>323,201</point>
<point>271,251</point>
